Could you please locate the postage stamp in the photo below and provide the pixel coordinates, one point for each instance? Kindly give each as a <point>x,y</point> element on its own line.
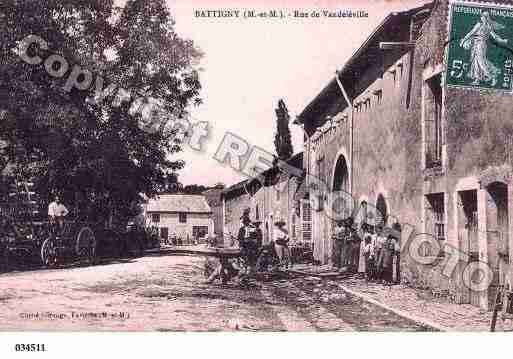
<point>480,49</point>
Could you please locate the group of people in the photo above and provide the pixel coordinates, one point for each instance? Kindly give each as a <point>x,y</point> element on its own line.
<point>380,247</point>
<point>253,251</point>
<point>347,243</point>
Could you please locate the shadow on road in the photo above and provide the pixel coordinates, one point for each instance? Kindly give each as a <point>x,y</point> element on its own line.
<point>22,269</point>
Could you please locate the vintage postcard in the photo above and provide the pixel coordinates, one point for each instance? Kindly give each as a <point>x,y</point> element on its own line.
<point>256,166</point>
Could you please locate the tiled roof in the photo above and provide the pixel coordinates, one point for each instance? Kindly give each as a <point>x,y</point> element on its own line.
<point>178,203</point>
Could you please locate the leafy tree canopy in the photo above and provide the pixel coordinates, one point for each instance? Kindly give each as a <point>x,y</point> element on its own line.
<point>84,149</point>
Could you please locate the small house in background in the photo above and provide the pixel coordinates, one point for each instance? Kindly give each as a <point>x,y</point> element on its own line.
<point>186,216</point>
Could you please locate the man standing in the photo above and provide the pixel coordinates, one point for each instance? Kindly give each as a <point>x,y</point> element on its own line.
<point>248,242</point>
<point>281,244</point>
<point>338,243</point>
<point>355,251</point>
<point>259,234</point>
<point>57,211</point>
<point>397,244</point>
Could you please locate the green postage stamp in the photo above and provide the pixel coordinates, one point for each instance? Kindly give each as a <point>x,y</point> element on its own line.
<point>480,49</point>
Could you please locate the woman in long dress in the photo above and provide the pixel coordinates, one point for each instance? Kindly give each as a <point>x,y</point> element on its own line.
<point>477,42</point>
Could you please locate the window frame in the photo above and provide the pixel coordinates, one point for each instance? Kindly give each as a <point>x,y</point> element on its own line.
<point>435,203</point>
<point>433,140</point>
<point>182,217</point>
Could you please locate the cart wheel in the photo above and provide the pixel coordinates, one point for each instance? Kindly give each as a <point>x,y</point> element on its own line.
<point>85,247</point>
<point>49,253</point>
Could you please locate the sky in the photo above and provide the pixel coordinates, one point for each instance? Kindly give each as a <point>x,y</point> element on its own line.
<point>249,64</point>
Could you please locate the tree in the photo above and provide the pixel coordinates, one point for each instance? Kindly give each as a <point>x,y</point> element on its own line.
<point>195,189</point>
<point>219,185</point>
<point>282,140</point>
<point>87,149</point>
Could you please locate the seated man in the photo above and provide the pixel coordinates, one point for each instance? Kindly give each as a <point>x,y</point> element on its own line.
<point>228,268</point>
<point>224,270</point>
<point>56,213</point>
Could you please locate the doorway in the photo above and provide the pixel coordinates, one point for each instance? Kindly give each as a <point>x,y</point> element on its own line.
<point>497,235</point>
<point>468,239</point>
<point>339,210</point>
<point>382,209</point>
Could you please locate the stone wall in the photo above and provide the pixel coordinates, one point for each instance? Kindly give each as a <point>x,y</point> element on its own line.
<point>386,141</point>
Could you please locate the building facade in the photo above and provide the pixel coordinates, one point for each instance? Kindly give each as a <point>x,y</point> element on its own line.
<point>410,150</point>
<point>279,197</point>
<point>186,216</point>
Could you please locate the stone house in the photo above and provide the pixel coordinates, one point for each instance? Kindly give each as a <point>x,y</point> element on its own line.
<point>277,196</point>
<point>412,151</point>
<point>187,216</point>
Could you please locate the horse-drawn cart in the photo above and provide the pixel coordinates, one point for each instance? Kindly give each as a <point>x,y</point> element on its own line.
<point>75,241</point>
<point>28,239</point>
<point>36,243</point>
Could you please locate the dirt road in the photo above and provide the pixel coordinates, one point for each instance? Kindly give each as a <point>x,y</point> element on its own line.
<point>165,293</point>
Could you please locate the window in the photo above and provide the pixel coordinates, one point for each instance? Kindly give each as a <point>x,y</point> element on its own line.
<point>164,232</point>
<point>321,176</point>
<point>257,213</point>
<point>379,96</point>
<point>400,68</point>
<point>393,72</point>
<point>155,217</point>
<point>433,121</point>
<point>435,214</point>
<point>199,231</point>
<point>307,221</point>
<point>182,217</point>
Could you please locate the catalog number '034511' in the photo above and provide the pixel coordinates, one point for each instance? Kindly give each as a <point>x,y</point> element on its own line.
<point>29,348</point>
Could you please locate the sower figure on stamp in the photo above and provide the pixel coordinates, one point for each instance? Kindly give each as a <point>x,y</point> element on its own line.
<point>481,69</point>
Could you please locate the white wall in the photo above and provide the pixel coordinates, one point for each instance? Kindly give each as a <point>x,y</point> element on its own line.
<point>170,220</point>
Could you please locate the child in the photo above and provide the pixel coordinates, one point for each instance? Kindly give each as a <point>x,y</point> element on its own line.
<point>281,243</point>
<point>368,253</point>
<point>387,262</point>
<point>378,253</point>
